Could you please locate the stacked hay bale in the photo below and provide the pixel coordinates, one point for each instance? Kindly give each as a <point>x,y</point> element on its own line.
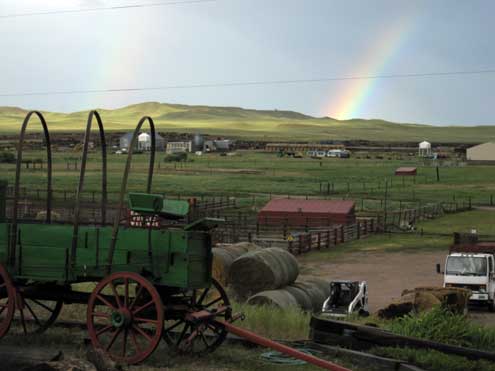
<point>308,295</point>
<point>259,270</point>
<point>223,257</point>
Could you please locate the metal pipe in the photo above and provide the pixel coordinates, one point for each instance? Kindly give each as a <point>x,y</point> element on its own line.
<point>257,339</point>
<point>123,187</point>
<point>11,259</point>
<point>82,172</point>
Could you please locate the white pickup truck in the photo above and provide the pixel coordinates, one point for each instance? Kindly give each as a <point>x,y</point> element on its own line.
<point>470,264</point>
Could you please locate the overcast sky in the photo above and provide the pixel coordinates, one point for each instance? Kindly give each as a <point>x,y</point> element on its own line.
<point>228,41</point>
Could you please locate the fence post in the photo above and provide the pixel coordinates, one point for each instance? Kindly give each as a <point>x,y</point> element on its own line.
<point>335,237</point>
<point>342,237</point>
<point>300,244</point>
<point>328,238</point>
<point>358,230</point>
<point>319,240</point>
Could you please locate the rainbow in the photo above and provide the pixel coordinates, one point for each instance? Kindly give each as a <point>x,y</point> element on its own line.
<point>356,92</point>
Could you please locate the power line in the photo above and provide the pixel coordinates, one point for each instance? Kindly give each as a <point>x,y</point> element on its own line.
<point>115,7</point>
<point>253,83</point>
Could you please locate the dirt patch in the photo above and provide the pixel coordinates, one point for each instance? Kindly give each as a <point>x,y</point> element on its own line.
<point>387,274</point>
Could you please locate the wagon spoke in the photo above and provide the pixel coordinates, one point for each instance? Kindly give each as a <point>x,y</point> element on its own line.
<point>32,313</point>
<point>213,302</point>
<point>174,325</point>
<point>138,294</point>
<point>126,292</point>
<point>117,297</point>
<point>43,305</point>
<point>204,339</point>
<point>23,321</point>
<point>114,337</point>
<point>203,296</point>
<point>103,330</point>
<point>216,330</point>
<point>105,301</point>
<point>124,343</point>
<point>134,340</point>
<point>183,333</point>
<point>100,314</point>
<point>145,320</point>
<point>151,302</point>
<point>142,332</point>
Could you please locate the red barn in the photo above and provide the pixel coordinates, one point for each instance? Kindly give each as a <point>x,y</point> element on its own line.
<point>406,171</point>
<point>311,213</point>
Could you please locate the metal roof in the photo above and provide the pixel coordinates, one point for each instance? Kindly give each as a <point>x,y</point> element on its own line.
<point>308,206</point>
<point>405,170</point>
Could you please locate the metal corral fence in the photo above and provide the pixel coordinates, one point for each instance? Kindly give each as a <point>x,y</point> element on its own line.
<point>410,216</point>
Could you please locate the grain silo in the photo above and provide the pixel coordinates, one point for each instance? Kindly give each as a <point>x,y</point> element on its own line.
<point>198,142</point>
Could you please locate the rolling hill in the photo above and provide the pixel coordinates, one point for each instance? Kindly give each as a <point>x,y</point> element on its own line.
<point>250,124</point>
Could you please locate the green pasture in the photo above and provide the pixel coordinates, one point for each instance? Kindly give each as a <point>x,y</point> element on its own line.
<point>250,124</point>
<point>254,177</point>
<point>430,235</point>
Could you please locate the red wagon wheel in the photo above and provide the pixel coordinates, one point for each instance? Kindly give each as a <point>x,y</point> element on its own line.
<point>125,317</point>
<point>183,336</point>
<point>7,301</point>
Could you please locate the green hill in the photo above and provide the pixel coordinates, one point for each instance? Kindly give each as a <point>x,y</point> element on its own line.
<point>252,124</point>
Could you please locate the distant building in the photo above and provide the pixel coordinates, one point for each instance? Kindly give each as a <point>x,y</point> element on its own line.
<point>424,149</point>
<point>176,147</point>
<point>301,147</point>
<point>483,153</point>
<point>143,142</point>
<point>219,145</point>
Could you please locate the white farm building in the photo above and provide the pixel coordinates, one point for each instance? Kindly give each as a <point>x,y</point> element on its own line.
<point>424,149</point>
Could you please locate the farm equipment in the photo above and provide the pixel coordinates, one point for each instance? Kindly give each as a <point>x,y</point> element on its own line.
<point>346,297</point>
<point>141,282</point>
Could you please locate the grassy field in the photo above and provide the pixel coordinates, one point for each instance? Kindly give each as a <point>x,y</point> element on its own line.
<point>430,235</point>
<point>260,174</point>
<point>251,124</point>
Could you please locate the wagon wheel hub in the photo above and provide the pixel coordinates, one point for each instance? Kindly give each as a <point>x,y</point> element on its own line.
<point>121,318</point>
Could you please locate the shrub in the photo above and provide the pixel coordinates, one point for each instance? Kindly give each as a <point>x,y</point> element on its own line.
<point>176,157</point>
<point>443,326</point>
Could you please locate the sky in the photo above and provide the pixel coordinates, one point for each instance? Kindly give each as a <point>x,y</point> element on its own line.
<point>236,41</point>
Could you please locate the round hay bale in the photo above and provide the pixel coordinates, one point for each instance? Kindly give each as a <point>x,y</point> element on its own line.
<point>454,299</point>
<point>223,257</point>
<point>425,301</point>
<point>277,298</point>
<point>261,270</point>
<point>322,284</point>
<point>302,298</point>
<point>315,294</point>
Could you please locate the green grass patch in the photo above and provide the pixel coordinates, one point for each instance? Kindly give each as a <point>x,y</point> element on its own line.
<point>441,326</point>
<point>482,220</point>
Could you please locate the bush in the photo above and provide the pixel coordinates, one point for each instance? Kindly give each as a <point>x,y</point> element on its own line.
<point>442,326</point>
<point>445,327</point>
<point>7,157</point>
<point>176,157</point>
